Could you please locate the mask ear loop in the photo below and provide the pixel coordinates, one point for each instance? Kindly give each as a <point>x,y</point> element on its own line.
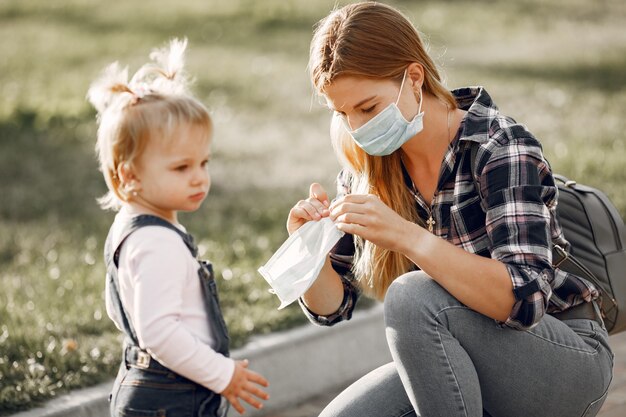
<point>401,85</point>
<point>419,110</point>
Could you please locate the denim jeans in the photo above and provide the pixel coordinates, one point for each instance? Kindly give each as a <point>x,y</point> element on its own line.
<point>151,393</point>
<point>450,361</point>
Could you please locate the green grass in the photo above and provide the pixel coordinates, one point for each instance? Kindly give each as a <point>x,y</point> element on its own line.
<point>556,65</point>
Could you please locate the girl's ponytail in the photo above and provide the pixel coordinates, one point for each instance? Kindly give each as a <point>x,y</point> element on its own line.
<point>111,87</point>
<point>166,76</point>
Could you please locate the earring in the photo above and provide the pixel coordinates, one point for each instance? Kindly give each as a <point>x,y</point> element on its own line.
<point>131,188</point>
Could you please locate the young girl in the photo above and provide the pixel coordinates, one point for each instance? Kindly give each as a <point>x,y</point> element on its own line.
<point>154,149</point>
<point>479,321</point>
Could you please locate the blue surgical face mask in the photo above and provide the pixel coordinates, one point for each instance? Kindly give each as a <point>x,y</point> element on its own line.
<point>386,132</point>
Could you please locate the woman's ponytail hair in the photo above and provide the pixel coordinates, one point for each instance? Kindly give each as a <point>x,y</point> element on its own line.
<point>153,103</point>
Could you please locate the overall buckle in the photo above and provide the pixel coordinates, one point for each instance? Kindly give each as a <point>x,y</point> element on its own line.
<point>143,359</point>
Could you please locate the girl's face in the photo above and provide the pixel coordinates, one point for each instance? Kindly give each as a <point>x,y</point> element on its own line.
<point>172,174</point>
<point>358,99</point>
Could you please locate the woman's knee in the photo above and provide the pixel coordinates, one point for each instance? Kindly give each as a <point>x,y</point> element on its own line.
<point>413,297</point>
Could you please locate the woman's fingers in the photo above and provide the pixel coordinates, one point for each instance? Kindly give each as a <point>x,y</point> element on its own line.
<point>356,218</point>
<point>309,210</point>
<point>317,192</point>
<point>343,208</point>
<point>313,208</point>
<point>356,198</point>
<point>360,204</point>
<point>353,229</point>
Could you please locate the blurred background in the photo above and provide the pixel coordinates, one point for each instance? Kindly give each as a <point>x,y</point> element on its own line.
<point>558,66</point>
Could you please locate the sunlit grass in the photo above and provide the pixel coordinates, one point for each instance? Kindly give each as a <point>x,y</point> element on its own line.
<point>557,66</point>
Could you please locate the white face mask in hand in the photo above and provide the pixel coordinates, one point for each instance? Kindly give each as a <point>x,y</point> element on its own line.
<point>296,264</point>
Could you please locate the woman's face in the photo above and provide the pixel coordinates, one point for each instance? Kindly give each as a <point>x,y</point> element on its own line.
<point>358,99</point>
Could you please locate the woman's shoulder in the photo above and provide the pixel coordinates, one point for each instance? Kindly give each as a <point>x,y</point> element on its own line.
<point>505,131</point>
<point>485,124</point>
<point>507,142</point>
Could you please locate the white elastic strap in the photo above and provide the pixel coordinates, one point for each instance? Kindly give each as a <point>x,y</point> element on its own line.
<point>402,85</point>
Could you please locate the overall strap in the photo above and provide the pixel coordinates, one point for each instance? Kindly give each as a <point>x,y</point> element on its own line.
<point>144,220</point>
<point>111,257</point>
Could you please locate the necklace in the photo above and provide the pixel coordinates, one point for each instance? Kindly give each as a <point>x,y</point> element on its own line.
<point>431,221</point>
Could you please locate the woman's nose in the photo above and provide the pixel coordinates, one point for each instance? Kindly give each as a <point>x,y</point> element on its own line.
<point>355,122</point>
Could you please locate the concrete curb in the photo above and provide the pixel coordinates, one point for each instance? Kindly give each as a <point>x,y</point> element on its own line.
<point>299,363</point>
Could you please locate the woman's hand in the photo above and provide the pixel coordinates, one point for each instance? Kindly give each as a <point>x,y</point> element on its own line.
<point>366,216</point>
<point>313,208</point>
<point>244,385</point>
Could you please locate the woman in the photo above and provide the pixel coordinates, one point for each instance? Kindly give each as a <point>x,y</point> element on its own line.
<point>478,320</point>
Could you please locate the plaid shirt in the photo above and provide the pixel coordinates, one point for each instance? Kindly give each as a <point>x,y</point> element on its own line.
<point>512,219</point>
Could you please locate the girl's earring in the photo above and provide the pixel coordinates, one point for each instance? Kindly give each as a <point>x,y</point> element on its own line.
<point>133,188</point>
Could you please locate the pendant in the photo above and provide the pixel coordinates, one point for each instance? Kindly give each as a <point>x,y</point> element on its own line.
<point>431,223</point>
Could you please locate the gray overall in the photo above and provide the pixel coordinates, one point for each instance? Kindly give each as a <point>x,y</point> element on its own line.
<point>143,386</point>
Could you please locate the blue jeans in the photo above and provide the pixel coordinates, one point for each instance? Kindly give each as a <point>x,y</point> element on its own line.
<point>450,361</point>
<point>151,393</point>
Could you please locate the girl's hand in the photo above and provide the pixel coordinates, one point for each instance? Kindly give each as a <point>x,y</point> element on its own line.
<point>313,208</point>
<point>366,216</point>
<point>244,385</point>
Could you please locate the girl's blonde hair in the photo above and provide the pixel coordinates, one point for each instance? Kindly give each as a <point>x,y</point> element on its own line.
<point>153,104</point>
<point>376,41</point>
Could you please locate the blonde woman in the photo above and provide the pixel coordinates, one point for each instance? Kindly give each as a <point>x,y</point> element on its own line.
<point>478,320</point>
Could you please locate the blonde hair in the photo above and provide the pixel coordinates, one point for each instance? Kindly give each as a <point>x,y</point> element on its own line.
<point>376,41</point>
<point>153,104</point>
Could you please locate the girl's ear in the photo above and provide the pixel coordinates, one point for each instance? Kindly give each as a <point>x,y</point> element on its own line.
<point>416,75</point>
<point>129,181</point>
<point>126,174</point>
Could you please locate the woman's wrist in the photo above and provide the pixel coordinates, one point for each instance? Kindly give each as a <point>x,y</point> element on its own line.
<point>412,240</point>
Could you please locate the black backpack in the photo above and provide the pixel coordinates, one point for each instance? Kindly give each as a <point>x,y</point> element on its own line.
<point>596,251</point>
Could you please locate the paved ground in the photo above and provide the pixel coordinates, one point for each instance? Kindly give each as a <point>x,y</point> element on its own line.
<point>614,406</point>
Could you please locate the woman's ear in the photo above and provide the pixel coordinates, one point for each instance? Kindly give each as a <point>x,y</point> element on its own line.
<point>416,75</point>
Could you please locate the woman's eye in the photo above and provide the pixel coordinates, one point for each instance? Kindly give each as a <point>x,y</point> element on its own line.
<point>181,168</point>
<point>369,109</point>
